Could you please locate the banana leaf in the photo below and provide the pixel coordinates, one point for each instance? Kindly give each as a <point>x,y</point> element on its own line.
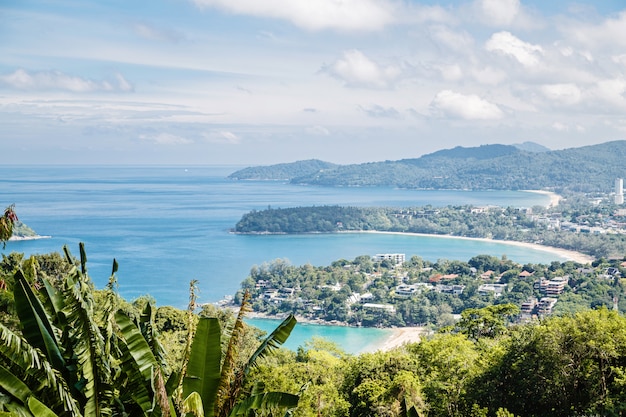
<point>273,341</point>
<point>36,327</point>
<point>264,401</point>
<point>203,369</point>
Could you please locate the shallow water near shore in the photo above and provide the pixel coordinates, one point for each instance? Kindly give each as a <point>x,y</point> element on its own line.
<point>169,225</point>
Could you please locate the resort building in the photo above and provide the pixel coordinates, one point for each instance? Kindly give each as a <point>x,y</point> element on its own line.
<point>619,191</point>
<point>396,258</point>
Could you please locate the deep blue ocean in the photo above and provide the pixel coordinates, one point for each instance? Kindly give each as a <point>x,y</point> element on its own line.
<point>169,225</point>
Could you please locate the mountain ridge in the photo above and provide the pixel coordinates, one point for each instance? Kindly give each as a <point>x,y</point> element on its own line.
<point>499,167</point>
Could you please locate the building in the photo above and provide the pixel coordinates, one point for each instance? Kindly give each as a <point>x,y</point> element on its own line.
<point>492,289</point>
<point>619,191</point>
<point>396,258</point>
<point>406,290</point>
<point>545,305</point>
<point>528,306</point>
<point>551,287</point>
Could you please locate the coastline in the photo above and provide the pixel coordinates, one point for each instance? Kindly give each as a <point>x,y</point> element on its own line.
<point>568,254</point>
<point>19,238</point>
<point>554,197</point>
<point>396,338</point>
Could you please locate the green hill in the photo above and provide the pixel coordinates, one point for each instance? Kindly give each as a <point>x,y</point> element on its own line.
<point>286,171</point>
<point>498,167</point>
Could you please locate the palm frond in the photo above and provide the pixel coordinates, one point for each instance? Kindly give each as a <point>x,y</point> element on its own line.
<point>89,348</point>
<point>265,401</point>
<point>203,369</point>
<point>36,326</point>
<point>272,342</point>
<point>228,389</point>
<point>34,366</point>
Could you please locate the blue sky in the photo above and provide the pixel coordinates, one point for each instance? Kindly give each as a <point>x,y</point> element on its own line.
<point>258,82</point>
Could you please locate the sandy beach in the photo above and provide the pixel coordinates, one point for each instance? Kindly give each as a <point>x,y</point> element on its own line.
<point>554,197</point>
<point>401,336</point>
<point>568,254</point>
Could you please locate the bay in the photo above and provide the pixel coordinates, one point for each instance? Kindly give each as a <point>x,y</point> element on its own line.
<point>167,225</point>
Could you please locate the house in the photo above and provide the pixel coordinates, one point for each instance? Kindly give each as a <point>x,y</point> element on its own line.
<point>528,306</point>
<point>487,274</point>
<point>545,305</point>
<point>495,289</point>
<point>407,291</point>
<point>526,274</point>
<point>450,289</point>
<point>366,298</point>
<point>380,307</point>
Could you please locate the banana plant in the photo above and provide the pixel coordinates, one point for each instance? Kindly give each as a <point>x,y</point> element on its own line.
<point>69,363</point>
<point>212,386</point>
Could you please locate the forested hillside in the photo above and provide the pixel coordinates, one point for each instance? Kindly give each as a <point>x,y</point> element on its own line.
<point>282,171</point>
<point>572,365</point>
<point>493,223</point>
<point>499,167</point>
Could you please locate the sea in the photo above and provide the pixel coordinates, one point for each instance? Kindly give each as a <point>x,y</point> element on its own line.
<point>168,225</point>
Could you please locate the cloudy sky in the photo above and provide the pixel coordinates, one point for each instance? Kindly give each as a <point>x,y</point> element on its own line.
<point>258,82</point>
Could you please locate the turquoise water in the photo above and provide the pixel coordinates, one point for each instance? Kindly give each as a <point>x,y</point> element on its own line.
<point>350,339</point>
<point>169,225</point>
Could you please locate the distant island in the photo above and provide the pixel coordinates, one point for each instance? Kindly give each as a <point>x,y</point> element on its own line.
<point>488,167</point>
<point>23,232</point>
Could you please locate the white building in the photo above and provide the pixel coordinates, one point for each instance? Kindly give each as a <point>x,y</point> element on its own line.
<point>396,258</point>
<point>619,191</point>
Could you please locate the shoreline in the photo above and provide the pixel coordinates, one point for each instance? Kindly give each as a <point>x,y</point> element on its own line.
<point>396,338</point>
<point>554,197</point>
<point>20,238</point>
<point>568,254</point>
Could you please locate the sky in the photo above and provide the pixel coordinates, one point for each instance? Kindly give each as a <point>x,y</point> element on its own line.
<point>250,82</point>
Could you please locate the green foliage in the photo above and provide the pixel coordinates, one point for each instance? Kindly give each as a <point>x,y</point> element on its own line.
<point>495,223</point>
<point>282,171</point>
<point>216,381</point>
<point>7,221</point>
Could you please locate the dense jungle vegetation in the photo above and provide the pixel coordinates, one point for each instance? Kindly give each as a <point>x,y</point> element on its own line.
<point>496,167</point>
<point>569,365</point>
<point>573,216</point>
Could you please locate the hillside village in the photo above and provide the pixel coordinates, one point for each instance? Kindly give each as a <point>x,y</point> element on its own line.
<point>388,290</point>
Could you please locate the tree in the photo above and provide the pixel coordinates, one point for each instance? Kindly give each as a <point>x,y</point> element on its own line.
<point>88,369</point>
<point>212,386</point>
<point>488,321</point>
<point>7,221</point>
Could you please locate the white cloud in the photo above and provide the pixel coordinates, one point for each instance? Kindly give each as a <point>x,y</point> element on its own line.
<point>363,15</point>
<point>469,107</point>
<point>357,70</point>
<point>450,72</point>
<point>56,80</point>
<point>608,34</point>
<point>499,12</point>
<point>378,111</point>
<point>527,54</point>
<point>489,75</point>
<point>567,94</point>
<point>459,41</point>
<point>151,32</point>
<point>165,139</point>
<point>318,130</point>
<point>222,136</point>
<point>611,92</point>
